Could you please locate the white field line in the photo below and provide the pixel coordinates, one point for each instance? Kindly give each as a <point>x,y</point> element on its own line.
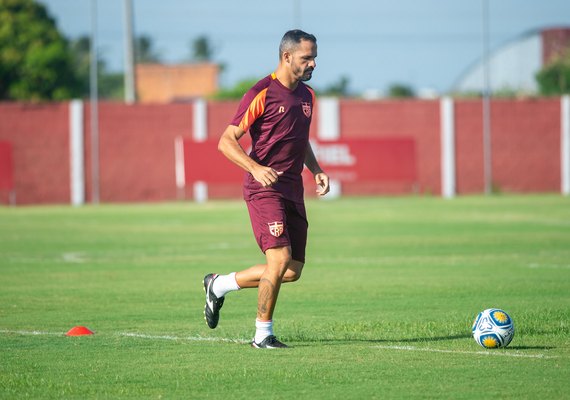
<point>135,335</point>
<point>31,333</point>
<point>484,353</point>
<point>549,266</point>
<point>242,341</point>
<point>76,258</point>
<point>183,338</point>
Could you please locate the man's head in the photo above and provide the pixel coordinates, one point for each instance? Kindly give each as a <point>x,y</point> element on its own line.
<point>297,52</point>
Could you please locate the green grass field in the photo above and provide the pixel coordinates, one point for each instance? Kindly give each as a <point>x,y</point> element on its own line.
<point>383,310</point>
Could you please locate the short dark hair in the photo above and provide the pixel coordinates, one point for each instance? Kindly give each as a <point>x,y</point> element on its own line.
<point>292,38</point>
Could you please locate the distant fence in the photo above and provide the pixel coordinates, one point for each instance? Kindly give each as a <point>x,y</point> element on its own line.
<point>168,152</point>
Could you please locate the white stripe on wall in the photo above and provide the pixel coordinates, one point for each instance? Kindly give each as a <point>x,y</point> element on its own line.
<point>200,190</point>
<point>329,119</point>
<point>565,145</point>
<point>200,134</point>
<point>76,153</point>
<point>200,120</point>
<point>180,173</point>
<point>447,148</point>
<point>328,130</point>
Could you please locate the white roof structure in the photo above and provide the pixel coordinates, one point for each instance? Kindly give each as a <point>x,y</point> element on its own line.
<point>514,65</point>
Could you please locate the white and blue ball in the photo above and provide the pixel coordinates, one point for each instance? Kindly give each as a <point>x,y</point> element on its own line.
<point>493,328</point>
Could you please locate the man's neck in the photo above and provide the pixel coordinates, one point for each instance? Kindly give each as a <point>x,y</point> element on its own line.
<point>285,78</point>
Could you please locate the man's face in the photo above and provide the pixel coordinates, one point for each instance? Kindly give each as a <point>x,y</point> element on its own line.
<point>302,60</point>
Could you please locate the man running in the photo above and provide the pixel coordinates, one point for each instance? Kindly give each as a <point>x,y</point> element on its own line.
<point>277,112</point>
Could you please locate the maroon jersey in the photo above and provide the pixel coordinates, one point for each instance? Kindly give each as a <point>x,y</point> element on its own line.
<point>278,121</point>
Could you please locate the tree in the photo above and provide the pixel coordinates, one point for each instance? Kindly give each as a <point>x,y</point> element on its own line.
<point>35,61</point>
<point>400,90</point>
<point>339,89</point>
<point>554,78</point>
<point>144,50</point>
<point>81,55</point>
<point>110,85</point>
<point>237,91</point>
<point>201,49</point>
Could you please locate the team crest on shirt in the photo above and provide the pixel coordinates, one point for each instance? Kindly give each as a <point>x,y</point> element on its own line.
<point>276,228</point>
<point>306,109</point>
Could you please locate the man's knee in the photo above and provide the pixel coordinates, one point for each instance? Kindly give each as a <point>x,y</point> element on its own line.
<point>294,271</point>
<point>279,258</point>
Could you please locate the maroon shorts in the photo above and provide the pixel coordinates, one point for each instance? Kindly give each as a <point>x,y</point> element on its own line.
<point>278,222</point>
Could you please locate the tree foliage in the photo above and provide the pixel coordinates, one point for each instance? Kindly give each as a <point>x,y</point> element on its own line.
<point>400,90</point>
<point>144,50</point>
<point>554,78</point>
<point>110,85</point>
<point>337,89</point>
<point>35,61</point>
<point>237,91</point>
<point>201,49</point>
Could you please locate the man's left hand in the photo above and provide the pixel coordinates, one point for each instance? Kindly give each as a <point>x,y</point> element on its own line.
<point>322,181</point>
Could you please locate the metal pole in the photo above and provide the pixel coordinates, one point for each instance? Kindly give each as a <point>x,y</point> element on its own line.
<point>94,108</point>
<point>487,157</point>
<point>130,88</point>
<point>297,14</point>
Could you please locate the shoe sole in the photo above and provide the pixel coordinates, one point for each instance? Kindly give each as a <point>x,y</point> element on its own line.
<point>268,348</point>
<point>205,292</point>
<point>256,346</point>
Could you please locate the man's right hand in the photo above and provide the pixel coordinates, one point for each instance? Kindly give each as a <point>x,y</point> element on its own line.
<point>266,176</point>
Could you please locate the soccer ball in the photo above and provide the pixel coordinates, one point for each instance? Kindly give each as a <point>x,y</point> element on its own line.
<point>493,328</point>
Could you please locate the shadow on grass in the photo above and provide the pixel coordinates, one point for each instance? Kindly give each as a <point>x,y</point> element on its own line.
<point>421,340</point>
<point>345,341</point>
<point>529,348</point>
<point>341,341</point>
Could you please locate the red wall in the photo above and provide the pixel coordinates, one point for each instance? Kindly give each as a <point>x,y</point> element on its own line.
<point>525,143</point>
<point>39,135</point>
<point>137,146</point>
<point>136,149</point>
<point>219,116</point>
<point>416,119</point>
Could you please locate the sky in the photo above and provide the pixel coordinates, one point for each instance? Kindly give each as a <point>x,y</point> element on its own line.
<point>424,44</point>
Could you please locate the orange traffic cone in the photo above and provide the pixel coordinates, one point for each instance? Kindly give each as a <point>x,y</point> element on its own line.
<point>79,331</point>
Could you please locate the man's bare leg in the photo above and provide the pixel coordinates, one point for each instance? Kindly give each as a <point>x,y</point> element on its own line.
<point>278,262</point>
<point>266,277</point>
<point>250,277</point>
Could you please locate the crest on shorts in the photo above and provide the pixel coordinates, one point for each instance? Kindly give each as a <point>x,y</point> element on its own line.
<point>306,109</point>
<point>276,228</point>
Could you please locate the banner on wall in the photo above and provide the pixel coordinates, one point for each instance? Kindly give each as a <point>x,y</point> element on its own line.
<point>350,160</point>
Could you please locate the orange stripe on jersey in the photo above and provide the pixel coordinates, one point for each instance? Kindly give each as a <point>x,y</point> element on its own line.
<point>255,109</point>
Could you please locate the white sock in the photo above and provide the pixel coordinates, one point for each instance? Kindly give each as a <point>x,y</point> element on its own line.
<point>262,330</point>
<point>224,284</point>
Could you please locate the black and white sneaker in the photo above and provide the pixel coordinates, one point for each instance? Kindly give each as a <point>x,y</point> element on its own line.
<point>270,342</point>
<point>213,302</point>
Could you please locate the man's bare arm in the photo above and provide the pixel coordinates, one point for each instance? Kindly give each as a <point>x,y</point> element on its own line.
<point>230,147</point>
<point>321,179</point>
